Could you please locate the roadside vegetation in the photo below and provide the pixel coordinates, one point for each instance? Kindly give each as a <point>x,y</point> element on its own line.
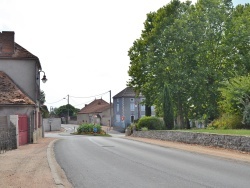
<point>153,123</point>
<point>192,63</point>
<point>91,129</point>
<point>240,132</point>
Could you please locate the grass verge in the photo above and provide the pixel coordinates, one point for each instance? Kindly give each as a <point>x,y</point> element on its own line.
<point>240,132</point>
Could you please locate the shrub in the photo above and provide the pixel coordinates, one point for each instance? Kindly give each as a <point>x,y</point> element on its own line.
<point>152,123</point>
<point>144,129</point>
<point>88,128</point>
<point>246,116</point>
<point>235,94</point>
<point>227,121</point>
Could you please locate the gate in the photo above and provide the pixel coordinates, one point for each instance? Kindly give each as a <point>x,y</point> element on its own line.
<point>23,129</point>
<point>7,135</point>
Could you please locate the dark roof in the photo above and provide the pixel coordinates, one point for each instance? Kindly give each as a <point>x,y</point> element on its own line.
<point>9,49</point>
<point>21,52</point>
<point>127,92</point>
<point>10,93</point>
<point>96,106</point>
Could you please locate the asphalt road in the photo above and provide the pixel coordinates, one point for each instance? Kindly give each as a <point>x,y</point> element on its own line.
<point>108,162</point>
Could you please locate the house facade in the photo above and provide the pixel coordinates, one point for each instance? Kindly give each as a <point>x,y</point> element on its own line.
<point>97,112</point>
<point>20,85</point>
<point>128,107</point>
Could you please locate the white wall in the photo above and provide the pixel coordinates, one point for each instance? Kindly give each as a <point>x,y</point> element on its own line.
<point>23,73</point>
<point>52,124</point>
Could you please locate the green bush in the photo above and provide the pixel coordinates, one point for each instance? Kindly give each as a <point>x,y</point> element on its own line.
<point>246,116</point>
<point>227,121</point>
<point>88,128</point>
<point>144,129</point>
<point>150,122</point>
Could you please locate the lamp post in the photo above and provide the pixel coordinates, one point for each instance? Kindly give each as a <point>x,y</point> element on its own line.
<point>110,112</point>
<point>44,79</point>
<point>68,111</point>
<point>67,108</point>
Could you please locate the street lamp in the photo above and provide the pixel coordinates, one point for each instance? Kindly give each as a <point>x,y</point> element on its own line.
<point>67,109</point>
<point>44,79</point>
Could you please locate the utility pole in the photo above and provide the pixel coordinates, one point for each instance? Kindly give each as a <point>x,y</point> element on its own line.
<point>68,111</point>
<point>138,106</point>
<point>110,108</point>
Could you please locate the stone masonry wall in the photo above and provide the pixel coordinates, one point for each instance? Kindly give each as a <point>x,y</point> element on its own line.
<point>241,143</point>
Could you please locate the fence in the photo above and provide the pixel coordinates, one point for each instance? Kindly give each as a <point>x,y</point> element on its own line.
<point>7,139</point>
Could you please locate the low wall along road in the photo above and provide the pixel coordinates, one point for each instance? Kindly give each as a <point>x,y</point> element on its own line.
<point>241,143</point>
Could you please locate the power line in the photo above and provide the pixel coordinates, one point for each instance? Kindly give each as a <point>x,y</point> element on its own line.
<point>78,97</point>
<point>91,96</point>
<point>83,103</point>
<point>54,102</point>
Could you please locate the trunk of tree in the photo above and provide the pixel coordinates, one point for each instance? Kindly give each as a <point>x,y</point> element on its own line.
<point>147,110</point>
<point>180,116</point>
<point>168,109</point>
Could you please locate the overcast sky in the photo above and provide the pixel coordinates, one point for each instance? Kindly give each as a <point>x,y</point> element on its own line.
<point>82,44</point>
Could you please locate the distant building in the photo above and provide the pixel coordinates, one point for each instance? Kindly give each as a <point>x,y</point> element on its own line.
<point>128,107</point>
<point>97,112</point>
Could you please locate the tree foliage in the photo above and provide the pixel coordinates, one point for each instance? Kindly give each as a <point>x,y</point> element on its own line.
<point>62,111</point>
<point>42,97</point>
<point>235,95</point>
<point>45,111</point>
<point>168,109</point>
<point>43,108</point>
<point>193,48</point>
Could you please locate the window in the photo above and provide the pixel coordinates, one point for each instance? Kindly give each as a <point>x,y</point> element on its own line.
<point>117,107</point>
<point>142,108</point>
<point>132,107</point>
<point>142,105</point>
<point>117,100</point>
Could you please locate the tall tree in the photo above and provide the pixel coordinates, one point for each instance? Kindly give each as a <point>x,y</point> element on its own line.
<point>168,54</point>
<point>148,54</point>
<point>168,109</point>
<point>42,97</point>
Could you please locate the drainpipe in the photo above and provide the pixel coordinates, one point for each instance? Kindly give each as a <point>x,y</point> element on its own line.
<point>30,126</point>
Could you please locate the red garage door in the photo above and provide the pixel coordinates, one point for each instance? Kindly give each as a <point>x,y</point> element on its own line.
<point>23,129</point>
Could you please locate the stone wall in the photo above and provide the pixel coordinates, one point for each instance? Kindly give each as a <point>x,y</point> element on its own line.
<point>241,143</point>
<point>52,124</point>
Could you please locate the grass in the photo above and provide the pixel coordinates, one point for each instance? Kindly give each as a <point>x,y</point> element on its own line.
<point>241,132</point>
<point>92,134</point>
<point>102,133</point>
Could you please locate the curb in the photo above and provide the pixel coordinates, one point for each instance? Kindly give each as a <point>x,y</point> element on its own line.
<point>52,162</point>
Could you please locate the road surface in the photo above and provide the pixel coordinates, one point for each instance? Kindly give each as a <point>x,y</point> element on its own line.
<point>95,162</point>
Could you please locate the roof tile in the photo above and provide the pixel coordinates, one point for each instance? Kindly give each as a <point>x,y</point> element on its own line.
<point>10,93</point>
<point>96,106</point>
<point>127,92</point>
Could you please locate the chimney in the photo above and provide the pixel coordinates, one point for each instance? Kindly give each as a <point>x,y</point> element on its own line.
<point>7,42</point>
